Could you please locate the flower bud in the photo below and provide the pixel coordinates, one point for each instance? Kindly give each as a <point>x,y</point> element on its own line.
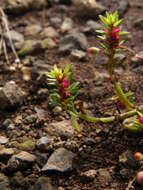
<point>141,120</point>
<point>93,50</point>
<point>138,156</point>
<point>140,177</point>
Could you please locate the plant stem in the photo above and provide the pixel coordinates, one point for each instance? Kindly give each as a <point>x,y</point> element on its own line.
<point>108,119</point>
<point>122,96</point>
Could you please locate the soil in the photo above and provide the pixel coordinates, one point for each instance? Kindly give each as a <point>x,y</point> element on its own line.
<point>111,140</point>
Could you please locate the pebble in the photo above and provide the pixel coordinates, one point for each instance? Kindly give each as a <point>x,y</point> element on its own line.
<point>88,8</point>
<point>67,25</point>
<point>16,37</point>
<point>62,129</point>
<point>60,161</point>
<point>78,55</point>
<point>3,140</point>
<point>139,23</point>
<point>11,95</point>
<point>49,32</point>
<point>73,41</point>
<point>44,183</point>
<point>126,159</point>
<point>88,176</point>
<point>33,30</point>
<point>123,7</point>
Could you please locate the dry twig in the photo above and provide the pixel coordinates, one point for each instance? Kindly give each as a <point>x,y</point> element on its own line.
<point>5,29</point>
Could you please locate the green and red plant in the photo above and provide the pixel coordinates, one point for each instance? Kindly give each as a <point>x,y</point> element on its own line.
<point>64,92</point>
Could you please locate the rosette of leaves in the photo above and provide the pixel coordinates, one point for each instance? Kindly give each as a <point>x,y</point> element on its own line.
<point>111,36</point>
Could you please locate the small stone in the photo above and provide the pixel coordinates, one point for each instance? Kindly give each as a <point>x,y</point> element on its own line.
<point>21,6</point>
<point>127,159</point>
<point>30,47</point>
<point>62,129</point>
<point>16,37</point>
<point>125,173</point>
<point>135,62</point>
<point>98,91</point>
<point>78,54</point>
<point>123,7</point>
<point>60,161</point>
<point>57,110</point>
<point>56,21</point>
<point>33,30</point>
<point>139,23</point>
<point>92,26</point>
<point>21,161</point>
<point>10,95</point>
<point>88,175</point>
<point>104,175</point>
<point>71,145</point>
<point>25,157</point>
<point>100,78</point>
<point>49,32</point>
<point>73,41</point>
<point>6,123</point>
<point>67,25</point>
<point>3,140</point>
<point>6,153</point>
<point>16,7</point>
<point>88,8</point>
<point>44,183</point>
<point>89,141</point>
<point>41,113</point>
<point>30,119</point>
<point>4,182</point>
<point>44,142</point>
<point>120,58</point>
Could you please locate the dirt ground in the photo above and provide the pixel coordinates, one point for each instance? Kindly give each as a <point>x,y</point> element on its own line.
<point>100,145</point>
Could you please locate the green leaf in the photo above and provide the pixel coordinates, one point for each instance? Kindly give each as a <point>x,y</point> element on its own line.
<point>104,46</point>
<point>69,77</point>
<point>101,37</point>
<point>107,14</point>
<point>103,19</point>
<point>124,33</point>
<point>74,87</point>
<point>49,75</point>
<point>122,41</point>
<point>67,69</point>
<point>55,97</point>
<point>118,23</point>
<point>100,31</point>
<point>53,91</point>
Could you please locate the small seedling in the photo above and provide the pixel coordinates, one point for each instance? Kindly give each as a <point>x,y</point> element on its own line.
<point>64,91</point>
<point>111,42</point>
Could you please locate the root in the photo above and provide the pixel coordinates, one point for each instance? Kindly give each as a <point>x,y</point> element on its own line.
<point>5,28</point>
